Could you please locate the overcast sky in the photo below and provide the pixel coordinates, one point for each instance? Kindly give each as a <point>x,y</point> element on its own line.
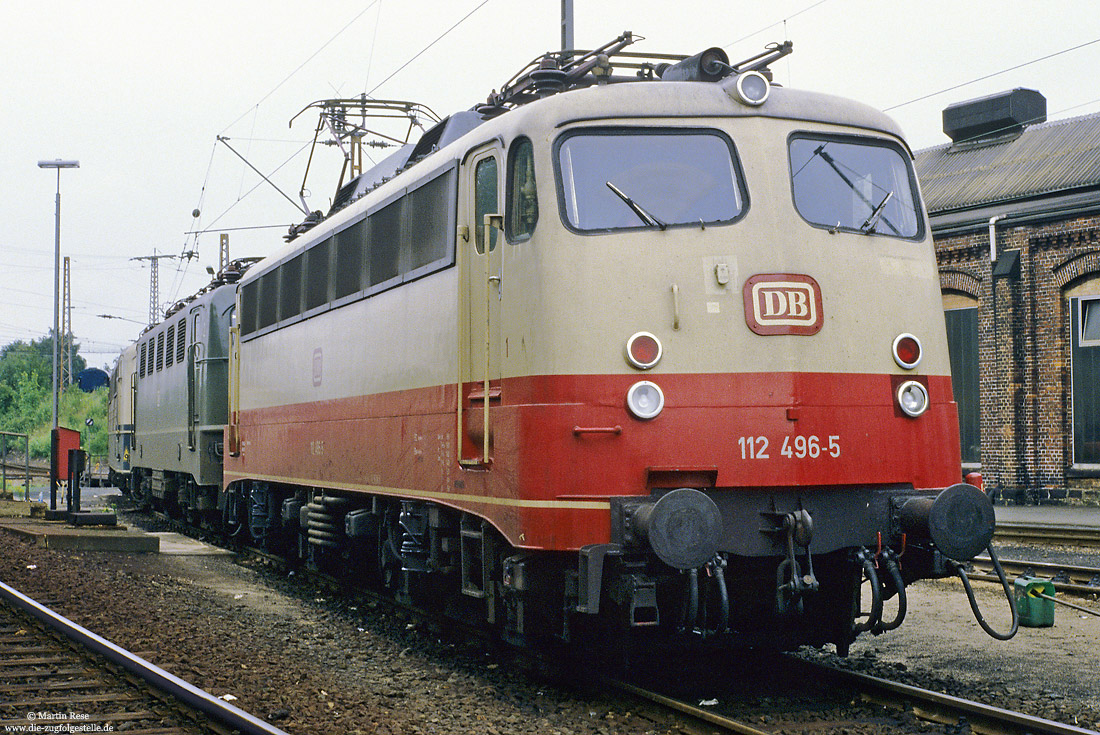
<point>139,91</point>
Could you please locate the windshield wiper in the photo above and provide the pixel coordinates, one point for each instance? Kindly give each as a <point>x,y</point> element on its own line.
<point>872,219</point>
<point>636,208</point>
<point>876,212</point>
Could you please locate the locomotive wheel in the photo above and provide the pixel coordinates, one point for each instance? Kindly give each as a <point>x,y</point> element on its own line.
<point>389,552</point>
<point>141,491</point>
<point>171,505</point>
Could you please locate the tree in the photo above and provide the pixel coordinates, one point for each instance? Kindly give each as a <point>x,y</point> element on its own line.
<point>25,404</point>
<point>26,390</point>
<point>77,407</point>
<point>36,358</point>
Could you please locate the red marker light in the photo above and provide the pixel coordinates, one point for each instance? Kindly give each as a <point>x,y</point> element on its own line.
<point>907,351</point>
<point>643,350</point>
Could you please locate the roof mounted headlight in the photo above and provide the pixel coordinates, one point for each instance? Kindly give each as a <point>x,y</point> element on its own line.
<point>752,88</point>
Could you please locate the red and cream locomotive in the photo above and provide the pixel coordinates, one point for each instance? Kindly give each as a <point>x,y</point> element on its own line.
<point>642,343</point>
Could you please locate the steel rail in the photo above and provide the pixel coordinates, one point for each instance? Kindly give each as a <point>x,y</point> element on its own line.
<point>1080,589</point>
<point>22,468</point>
<point>927,705</point>
<point>1079,608</point>
<point>1082,580</point>
<point>725,723</point>
<point>1048,533</point>
<point>1071,570</point>
<point>155,676</point>
<point>945,708</point>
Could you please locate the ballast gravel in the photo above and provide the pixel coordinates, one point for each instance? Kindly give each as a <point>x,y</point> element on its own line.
<point>313,662</point>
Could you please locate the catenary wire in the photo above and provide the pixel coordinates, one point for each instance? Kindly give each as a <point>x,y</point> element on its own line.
<point>425,49</point>
<point>297,69</point>
<point>373,45</point>
<point>242,197</point>
<point>778,22</point>
<point>392,74</point>
<point>994,74</point>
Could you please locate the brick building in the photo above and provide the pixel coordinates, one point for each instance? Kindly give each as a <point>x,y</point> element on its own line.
<point>1014,204</point>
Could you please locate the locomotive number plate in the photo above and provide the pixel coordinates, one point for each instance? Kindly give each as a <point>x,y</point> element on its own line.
<point>791,447</point>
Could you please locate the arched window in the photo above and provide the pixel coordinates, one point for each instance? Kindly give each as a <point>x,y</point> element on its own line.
<point>1084,314</point>
<point>961,315</point>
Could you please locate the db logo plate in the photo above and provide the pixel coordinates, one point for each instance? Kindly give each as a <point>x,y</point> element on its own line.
<point>783,303</point>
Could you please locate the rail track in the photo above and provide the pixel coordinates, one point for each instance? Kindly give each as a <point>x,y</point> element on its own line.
<point>871,704</point>
<point>866,704</point>
<point>1047,534</point>
<point>1066,577</point>
<point>17,471</point>
<point>55,674</point>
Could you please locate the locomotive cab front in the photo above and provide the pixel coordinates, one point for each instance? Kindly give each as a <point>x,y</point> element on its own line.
<point>724,322</point>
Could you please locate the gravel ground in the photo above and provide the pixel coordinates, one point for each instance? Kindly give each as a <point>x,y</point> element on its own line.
<point>294,656</point>
<point>312,664</point>
<point>1049,672</point>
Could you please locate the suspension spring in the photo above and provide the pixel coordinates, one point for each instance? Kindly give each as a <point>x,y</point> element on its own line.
<point>324,527</point>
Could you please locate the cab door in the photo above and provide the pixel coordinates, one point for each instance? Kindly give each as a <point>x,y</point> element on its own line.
<point>196,378</point>
<point>481,293</point>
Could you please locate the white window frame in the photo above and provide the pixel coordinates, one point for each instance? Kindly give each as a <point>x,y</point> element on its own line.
<point>1093,302</point>
<point>1087,305</point>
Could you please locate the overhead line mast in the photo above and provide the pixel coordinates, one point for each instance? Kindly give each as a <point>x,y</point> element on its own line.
<point>154,283</point>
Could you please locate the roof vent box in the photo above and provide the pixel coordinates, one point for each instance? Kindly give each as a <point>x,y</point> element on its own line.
<point>993,116</point>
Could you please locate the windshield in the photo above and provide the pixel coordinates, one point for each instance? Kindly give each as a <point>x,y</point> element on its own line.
<point>628,179</point>
<point>854,184</point>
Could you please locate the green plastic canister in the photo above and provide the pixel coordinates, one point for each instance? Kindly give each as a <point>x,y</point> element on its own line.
<point>1035,611</point>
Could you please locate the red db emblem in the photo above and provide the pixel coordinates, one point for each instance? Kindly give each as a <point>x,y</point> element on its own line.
<point>783,303</point>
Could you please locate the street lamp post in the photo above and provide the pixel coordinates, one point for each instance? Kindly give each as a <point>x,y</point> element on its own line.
<point>57,164</point>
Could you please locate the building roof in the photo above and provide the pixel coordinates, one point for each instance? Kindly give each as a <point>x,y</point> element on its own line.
<point>1046,168</point>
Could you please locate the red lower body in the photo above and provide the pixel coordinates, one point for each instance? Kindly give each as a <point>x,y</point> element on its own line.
<point>560,446</point>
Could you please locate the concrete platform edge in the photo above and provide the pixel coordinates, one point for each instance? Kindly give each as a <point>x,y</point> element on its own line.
<point>67,538</point>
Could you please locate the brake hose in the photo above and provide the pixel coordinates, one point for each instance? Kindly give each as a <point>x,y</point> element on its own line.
<point>874,617</point>
<point>899,585</point>
<point>974,603</point>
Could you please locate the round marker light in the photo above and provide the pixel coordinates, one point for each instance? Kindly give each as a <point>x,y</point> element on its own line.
<point>907,351</point>
<point>912,398</point>
<point>753,88</point>
<point>643,350</point>
<point>645,399</point>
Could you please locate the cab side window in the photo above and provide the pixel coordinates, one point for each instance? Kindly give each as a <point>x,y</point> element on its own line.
<point>485,202</point>
<point>523,205</point>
